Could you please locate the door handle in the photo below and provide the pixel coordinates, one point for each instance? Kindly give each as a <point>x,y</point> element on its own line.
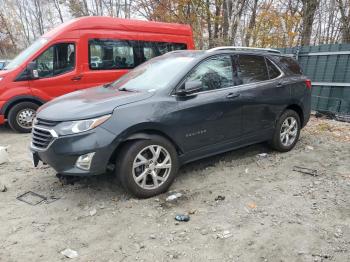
<point>77,78</point>
<point>232,95</point>
<point>280,84</point>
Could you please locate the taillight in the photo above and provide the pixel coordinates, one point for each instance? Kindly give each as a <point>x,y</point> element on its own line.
<point>308,83</point>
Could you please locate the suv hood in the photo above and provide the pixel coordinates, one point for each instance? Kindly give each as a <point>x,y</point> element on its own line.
<point>89,103</point>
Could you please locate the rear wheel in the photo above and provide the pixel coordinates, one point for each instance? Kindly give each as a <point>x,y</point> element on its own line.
<point>21,115</point>
<point>147,167</point>
<point>287,131</point>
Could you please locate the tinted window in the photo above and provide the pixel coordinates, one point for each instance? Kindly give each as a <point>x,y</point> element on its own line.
<point>153,49</point>
<point>214,73</point>
<point>106,54</point>
<point>272,69</point>
<point>111,54</point>
<point>56,60</point>
<point>290,64</point>
<point>252,69</point>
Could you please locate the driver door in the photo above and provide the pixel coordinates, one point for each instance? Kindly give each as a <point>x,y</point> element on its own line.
<point>210,116</point>
<point>57,71</point>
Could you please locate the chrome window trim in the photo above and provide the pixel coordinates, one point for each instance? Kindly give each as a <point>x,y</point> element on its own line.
<point>279,69</point>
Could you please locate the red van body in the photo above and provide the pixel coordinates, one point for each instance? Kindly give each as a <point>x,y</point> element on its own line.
<point>81,53</point>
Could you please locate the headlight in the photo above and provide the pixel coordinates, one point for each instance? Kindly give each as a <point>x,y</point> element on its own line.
<point>1,78</point>
<point>74,127</point>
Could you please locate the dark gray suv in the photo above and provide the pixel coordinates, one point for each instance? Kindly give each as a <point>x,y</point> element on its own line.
<point>171,110</point>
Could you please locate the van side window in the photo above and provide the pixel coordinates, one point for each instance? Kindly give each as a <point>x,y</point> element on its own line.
<point>214,73</point>
<point>272,69</point>
<point>153,49</point>
<point>56,60</point>
<point>252,69</point>
<point>106,54</point>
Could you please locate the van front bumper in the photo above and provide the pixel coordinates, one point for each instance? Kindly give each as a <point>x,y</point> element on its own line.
<point>2,119</point>
<point>63,152</point>
<point>2,112</point>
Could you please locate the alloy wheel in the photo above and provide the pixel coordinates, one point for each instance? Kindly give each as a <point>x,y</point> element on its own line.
<point>289,131</point>
<point>151,167</point>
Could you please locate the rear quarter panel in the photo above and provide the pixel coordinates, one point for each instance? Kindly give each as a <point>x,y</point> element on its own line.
<point>301,95</point>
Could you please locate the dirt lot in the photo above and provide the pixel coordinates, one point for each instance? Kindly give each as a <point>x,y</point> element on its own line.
<point>269,212</point>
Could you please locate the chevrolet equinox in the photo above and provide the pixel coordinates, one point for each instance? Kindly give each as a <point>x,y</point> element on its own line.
<point>173,109</point>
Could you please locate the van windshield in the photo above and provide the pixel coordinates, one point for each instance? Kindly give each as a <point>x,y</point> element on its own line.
<point>155,74</point>
<point>29,51</point>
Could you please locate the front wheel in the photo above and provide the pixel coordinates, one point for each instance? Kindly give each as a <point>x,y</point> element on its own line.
<point>21,115</point>
<point>287,131</point>
<point>147,167</point>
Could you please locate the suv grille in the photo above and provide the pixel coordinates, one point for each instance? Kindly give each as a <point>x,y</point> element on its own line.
<point>41,138</point>
<point>41,135</point>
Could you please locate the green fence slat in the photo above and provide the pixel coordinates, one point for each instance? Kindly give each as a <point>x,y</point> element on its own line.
<point>326,68</point>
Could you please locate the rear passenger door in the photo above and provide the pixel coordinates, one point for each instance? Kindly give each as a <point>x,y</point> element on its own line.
<point>262,93</point>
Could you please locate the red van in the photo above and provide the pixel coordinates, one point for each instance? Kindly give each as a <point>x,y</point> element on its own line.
<point>81,53</point>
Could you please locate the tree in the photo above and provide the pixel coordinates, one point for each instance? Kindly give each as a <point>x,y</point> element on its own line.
<point>308,15</point>
<point>344,7</point>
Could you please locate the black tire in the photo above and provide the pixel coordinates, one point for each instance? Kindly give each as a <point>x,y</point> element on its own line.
<point>276,142</point>
<point>13,116</point>
<point>125,160</point>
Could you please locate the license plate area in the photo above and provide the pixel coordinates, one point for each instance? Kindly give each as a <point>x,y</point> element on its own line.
<point>35,159</point>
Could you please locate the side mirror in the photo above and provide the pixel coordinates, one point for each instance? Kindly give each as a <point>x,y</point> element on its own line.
<point>190,87</point>
<point>32,70</point>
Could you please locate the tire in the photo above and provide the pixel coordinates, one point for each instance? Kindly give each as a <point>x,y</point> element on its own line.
<point>16,113</point>
<point>130,154</point>
<point>279,141</point>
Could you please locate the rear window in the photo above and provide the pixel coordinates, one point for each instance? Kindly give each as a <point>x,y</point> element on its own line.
<point>252,69</point>
<point>290,64</point>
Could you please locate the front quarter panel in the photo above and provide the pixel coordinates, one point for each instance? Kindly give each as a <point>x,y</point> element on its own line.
<point>9,96</point>
<point>154,114</point>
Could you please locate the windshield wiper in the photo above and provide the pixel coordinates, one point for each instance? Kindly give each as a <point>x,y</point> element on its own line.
<point>107,85</point>
<point>125,89</point>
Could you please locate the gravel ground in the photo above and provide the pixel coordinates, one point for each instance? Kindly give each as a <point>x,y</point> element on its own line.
<point>242,208</point>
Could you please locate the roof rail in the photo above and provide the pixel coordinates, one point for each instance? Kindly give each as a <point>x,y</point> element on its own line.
<point>242,48</point>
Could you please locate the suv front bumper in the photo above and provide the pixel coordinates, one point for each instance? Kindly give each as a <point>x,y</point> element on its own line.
<point>64,151</point>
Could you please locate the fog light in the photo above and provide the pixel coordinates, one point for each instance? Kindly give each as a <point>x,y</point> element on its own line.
<point>84,161</point>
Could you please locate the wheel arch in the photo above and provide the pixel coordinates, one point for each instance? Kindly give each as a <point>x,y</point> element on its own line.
<point>145,134</point>
<point>297,108</point>
<point>18,99</point>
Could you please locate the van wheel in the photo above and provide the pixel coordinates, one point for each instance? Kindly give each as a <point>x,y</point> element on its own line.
<point>147,168</point>
<point>287,131</point>
<point>21,115</point>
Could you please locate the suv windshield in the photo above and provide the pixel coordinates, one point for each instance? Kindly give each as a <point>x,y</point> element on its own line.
<point>26,53</point>
<point>155,74</point>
